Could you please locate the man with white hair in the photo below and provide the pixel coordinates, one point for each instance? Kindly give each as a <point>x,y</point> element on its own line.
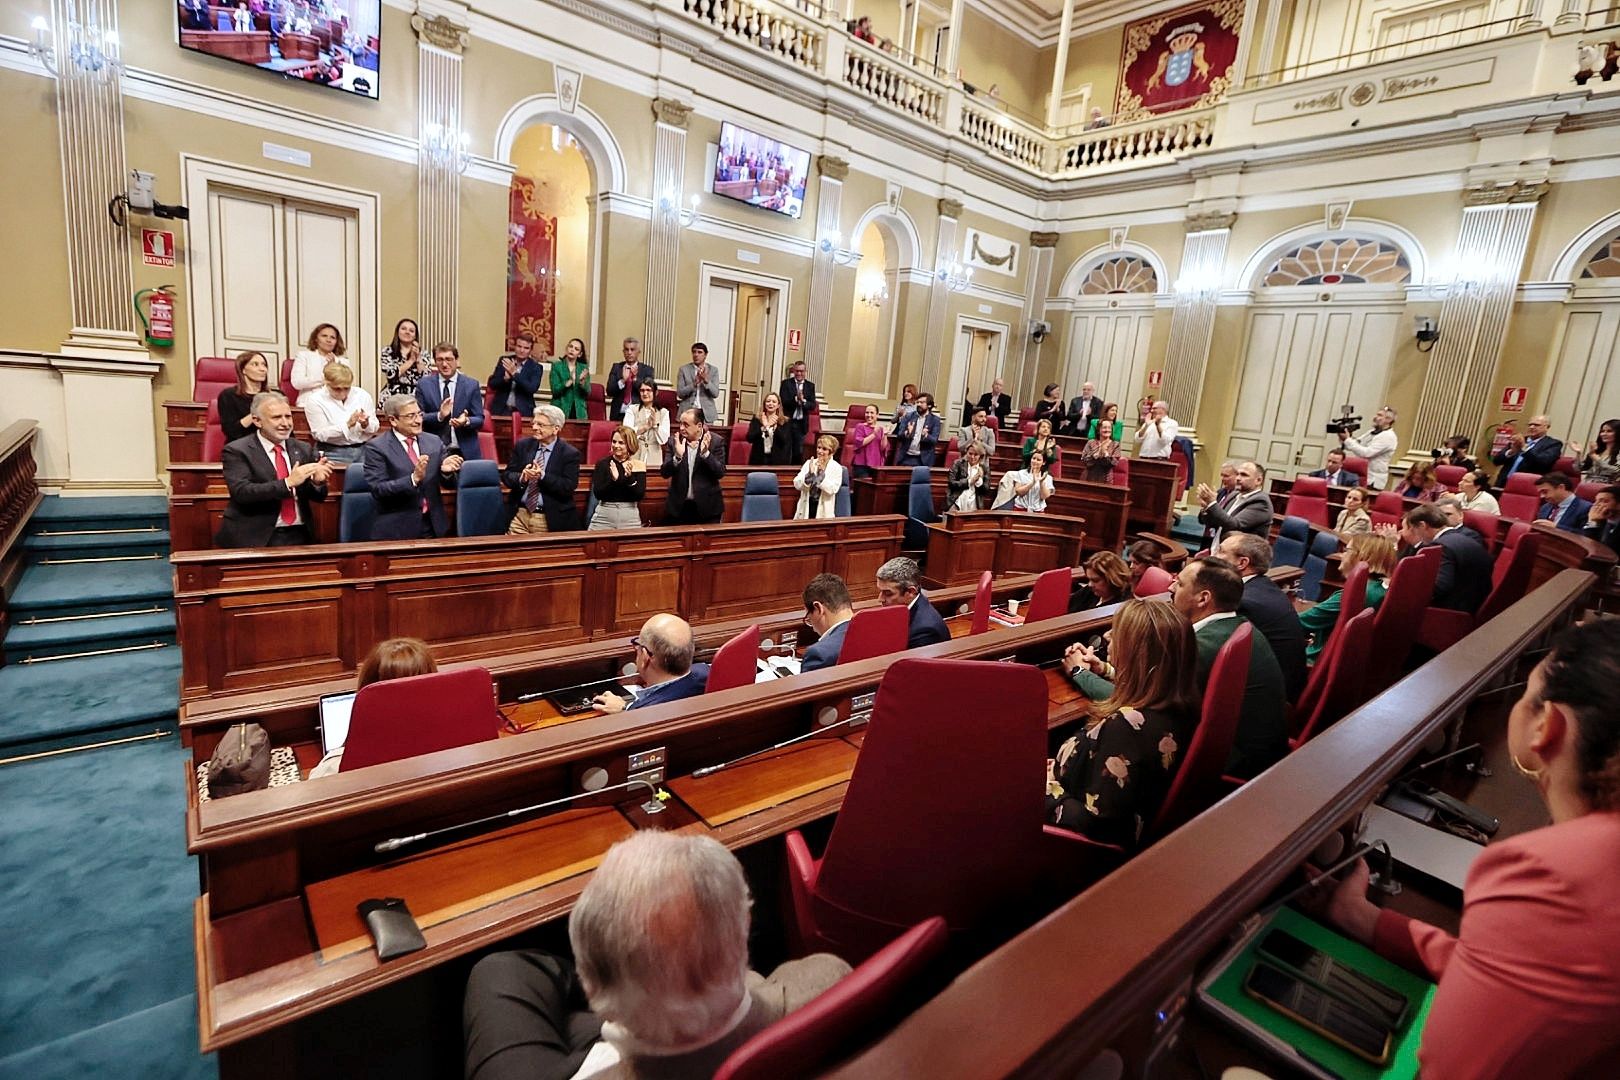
<point>660,984</point>
<point>1158,433</point>
<point>541,477</point>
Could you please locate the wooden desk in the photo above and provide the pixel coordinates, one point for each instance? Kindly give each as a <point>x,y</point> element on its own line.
<point>965,544</point>
<point>768,781</point>
<point>1102,508</point>
<point>250,47</point>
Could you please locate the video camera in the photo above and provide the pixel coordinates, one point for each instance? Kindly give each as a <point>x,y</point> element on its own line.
<point>1346,422</point>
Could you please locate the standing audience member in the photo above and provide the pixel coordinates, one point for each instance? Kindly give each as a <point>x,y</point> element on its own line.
<point>1464,579</point>
<point>871,444</point>
<point>452,403</point>
<point>818,482</point>
<point>1420,483</point>
<point>1559,503</point>
<point>395,658</point>
<point>770,435</point>
<point>1474,492</point>
<point>1246,510</point>
<point>1603,520</point>
<point>1354,520</point>
<point>1334,471</point>
<point>1228,483</point>
<point>342,417</point>
<point>967,485</point>
<point>1378,447</point>
<point>1110,422</point>
<point>541,477</point>
<point>1107,581</point>
<point>1378,554</point>
<point>571,380</point>
<point>1267,606</point>
<point>1085,408</point>
<point>798,402</point>
<point>402,471</point>
<point>663,654</point>
<point>1027,488</point>
<point>897,586</point>
<point>623,386</point>
<point>907,405</point>
<point>996,402</point>
<point>619,483</point>
<point>1158,433</point>
<point>235,403</point>
<point>1531,984</point>
<point>977,433</point>
<point>402,361</point>
<point>651,424</point>
<point>272,478</point>
<point>1108,783</point>
<point>1101,453</point>
<point>1050,407</point>
<point>694,461</point>
<point>659,987</point>
<point>324,346</point>
<point>1456,453</point>
<point>697,385</point>
<point>918,433</point>
<point>1601,465</point>
<point>516,379</point>
<point>1533,452</point>
<point>1043,441</point>
<point>828,609</point>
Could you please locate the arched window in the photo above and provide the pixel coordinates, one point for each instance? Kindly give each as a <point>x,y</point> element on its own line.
<point>1346,260</point>
<point>1119,274</point>
<point>1603,262</point>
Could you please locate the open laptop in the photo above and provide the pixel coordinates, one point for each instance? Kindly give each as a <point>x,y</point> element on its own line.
<point>334,710</point>
<point>577,699</point>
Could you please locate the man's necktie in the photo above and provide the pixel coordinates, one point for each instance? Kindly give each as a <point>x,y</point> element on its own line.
<point>410,448</point>
<point>531,493</point>
<point>289,505</point>
<point>448,394</point>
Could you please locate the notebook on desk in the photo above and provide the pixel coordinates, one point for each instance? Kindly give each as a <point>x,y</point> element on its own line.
<point>334,710</point>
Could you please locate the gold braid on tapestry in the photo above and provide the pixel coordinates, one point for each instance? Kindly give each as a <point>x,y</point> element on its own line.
<point>531,267</point>
<point>988,259</point>
<point>1179,60</point>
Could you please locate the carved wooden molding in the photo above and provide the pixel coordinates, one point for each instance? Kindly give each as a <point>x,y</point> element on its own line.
<point>1519,191</point>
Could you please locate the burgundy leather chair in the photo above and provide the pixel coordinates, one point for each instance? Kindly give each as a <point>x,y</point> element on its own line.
<point>422,714</point>
<point>1568,466</point>
<point>213,447</point>
<point>982,600</point>
<point>1156,581</point>
<point>596,402</point>
<point>486,444</point>
<point>952,452</point>
<point>1449,475</point>
<point>1387,508</point>
<point>287,387</point>
<point>847,1016</point>
<point>737,447</point>
<point>1308,499</point>
<point>213,374</point>
<point>599,441</point>
<point>1443,628</point>
<point>1519,499</point>
<point>1352,601</point>
<point>1199,782</point>
<point>876,631</point>
<point>1050,597</point>
<point>1343,664</point>
<point>1588,489</point>
<point>1400,616</point>
<point>734,662</point>
<point>1357,465</point>
<point>1489,527</point>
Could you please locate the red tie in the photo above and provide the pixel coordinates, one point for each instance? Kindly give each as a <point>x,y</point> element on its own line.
<point>410,448</point>
<point>289,505</point>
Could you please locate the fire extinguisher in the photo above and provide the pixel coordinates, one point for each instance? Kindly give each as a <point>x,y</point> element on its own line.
<point>1502,436</point>
<point>160,325</point>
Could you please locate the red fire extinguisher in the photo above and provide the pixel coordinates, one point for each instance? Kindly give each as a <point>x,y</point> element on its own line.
<point>160,324</point>
<point>1501,437</point>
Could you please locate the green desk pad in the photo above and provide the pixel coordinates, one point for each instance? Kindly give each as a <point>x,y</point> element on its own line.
<point>1227,989</point>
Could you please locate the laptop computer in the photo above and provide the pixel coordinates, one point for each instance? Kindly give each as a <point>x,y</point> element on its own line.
<point>577,699</point>
<point>334,710</point>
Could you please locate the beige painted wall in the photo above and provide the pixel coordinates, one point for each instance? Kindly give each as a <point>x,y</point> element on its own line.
<point>1094,59</point>
<point>992,55</point>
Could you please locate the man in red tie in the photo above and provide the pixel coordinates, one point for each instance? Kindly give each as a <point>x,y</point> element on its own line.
<point>403,469</point>
<point>272,479</point>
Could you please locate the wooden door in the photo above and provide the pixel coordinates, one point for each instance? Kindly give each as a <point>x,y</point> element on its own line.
<point>247,276</point>
<point>1109,348</point>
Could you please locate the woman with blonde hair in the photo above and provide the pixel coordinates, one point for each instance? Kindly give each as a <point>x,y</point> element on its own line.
<point>1378,552</point>
<point>770,435</point>
<point>619,482</point>
<point>1421,483</point>
<point>818,482</point>
<point>395,658</point>
<point>1107,581</point>
<point>1108,782</point>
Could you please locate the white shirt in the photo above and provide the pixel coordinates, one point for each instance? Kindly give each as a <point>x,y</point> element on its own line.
<point>652,441</point>
<point>1378,448</point>
<point>308,370</point>
<point>1157,443</point>
<point>1216,617</point>
<point>270,452</point>
<point>332,421</point>
<point>1035,498</point>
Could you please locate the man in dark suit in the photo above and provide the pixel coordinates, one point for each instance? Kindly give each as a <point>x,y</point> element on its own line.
<point>1268,607</point>
<point>897,585</point>
<point>1464,579</point>
<point>1246,510</point>
<point>1603,520</point>
<point>515,380</point>
<point>694,461</point>
<point>664,651</point>
<point>541,477</point>
<point>1533,452</point>
<point>1335,473</point>
<point>1559,503</point>
<point>798,396</point>
<point>403,469</point>
<point>626,377</point>
<point>1209,591</point>
<point>452,403</point>
<point>272,478</point>
<point>828,609</point>
<point>994,402</point>
<point>1083,409</point>
<point>918,434</point>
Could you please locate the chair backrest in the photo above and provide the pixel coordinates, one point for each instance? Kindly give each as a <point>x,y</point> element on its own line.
<point>1357,465</point>
<point>1026,420</point>
<point>1050,597</point>
<point>737,445</point>
<point>1588,489</point>
<point>1352,601</point>
<point>1510,577</point>
<point>843,505</point>
<point>1308,499</point>
<point>735,662</point>
<point>1400,616</point>
<point>480,506</point>
<point>212,374</point>
<point>1387,508</point>
<point>357,512</point>
<point>287,387</point>
<point>486,444</point>
<point>1489,527</point>
<point>1519,499</point>
<point>1450,475</point>
<point>762,499</point>
<point>982,599</point>
<point>1343,665</point>
<point>1567,466</point>
<point>596,402</point>
<point>1293,542</point>
<point>599,440</point>
<point>876,631</point>
<point>1155,581</point>
<point>1055,467</point>
<point>1516,531</point>
<point>920,495</point>
<point>421,714</point>
<point>1323,544</point>
<point>1197,782</point>
<point>213,446</point>
<point>844,1018</point>
<point>1182,461</point>
<point>952,452</point>
<point>1121,475</point>
<point>1353,597</point>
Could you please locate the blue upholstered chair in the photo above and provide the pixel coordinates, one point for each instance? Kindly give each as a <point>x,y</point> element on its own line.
<point>919,507</point>
<point>1293,542</point>
<point>357,511</point>
<point>1323,544</point>
<point>762,499</point>
<point>841,506</point>
<point>480,507</point>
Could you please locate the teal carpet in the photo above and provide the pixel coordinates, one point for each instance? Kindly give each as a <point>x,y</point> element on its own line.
<point>86,697</point>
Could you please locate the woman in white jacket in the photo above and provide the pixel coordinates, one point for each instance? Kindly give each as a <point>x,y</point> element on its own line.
<point>309,366</point>
<point>818,482</point>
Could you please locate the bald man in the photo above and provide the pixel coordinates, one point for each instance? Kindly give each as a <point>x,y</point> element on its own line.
<point>1533,452</point>
<point>664,650</point>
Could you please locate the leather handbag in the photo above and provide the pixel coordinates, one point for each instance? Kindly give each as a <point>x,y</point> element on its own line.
<point>241,762</point>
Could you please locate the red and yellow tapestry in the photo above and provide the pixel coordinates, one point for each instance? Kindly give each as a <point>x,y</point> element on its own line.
<point>531,270</point>
<point>1180,60</point>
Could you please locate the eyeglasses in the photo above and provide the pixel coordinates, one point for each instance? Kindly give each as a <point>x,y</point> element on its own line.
<point>635,643</point>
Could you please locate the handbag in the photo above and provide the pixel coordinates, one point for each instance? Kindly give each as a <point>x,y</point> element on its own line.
<point>241,762</point>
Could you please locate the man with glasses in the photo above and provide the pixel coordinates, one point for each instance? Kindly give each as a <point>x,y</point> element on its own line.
<point>663,652</point>
<point>541,477</point>
<point>403,470</point>
<point>798,397</point>
<point>827,609</point>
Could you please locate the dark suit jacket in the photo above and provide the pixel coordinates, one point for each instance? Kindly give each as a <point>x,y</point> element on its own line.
<point>1539,458</point>
<point>788,392</point>
<point>557,486</point>
<point>397,497</point>
<point>1247,513</point>
<point>256,491</point>
<point>927,628</point>
<point>616,387</point>
<point>1262,734</point>
<point>523,386</point>
<point>706,474</point>
<point>901,439</point>
<point>824,653</point>
<point>1273,614</point>
<point>1465,572</point>
<point>1574,519</point>
<point>693,683</point>
<point>467,395</point>
<point>1071,425</point>
<point>1604,532</point>
<point>1001,407</point>
<point>1342,478</point>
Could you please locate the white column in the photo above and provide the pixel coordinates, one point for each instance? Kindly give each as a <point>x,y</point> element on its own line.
<point>664,239</point>
<point>1240,66</point>
<point>829,203</point>
<point>953,51</point>
<point>438,175</point>
<point>934,343</point>
<point>1036,287</point>
<point>1060,64</point>
<point>1192,323</point>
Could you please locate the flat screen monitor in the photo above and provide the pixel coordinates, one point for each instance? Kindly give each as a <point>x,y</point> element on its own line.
<point>331,43</point>
<point>334,711</point>
<point>760,171</point>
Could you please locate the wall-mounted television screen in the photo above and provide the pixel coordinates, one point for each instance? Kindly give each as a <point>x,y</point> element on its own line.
<point>760,172</point>
<point>331,43</point>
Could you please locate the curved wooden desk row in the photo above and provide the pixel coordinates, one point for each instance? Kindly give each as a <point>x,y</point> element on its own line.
<point>1092,975</point>
<point>258,618</point>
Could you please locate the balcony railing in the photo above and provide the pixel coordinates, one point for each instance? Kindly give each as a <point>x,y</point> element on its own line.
<point>795,38</point>
<point>1155,139</point>
<point>1005,136</point>
<point>871,72</point>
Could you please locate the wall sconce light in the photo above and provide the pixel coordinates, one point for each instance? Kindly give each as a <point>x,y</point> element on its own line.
<point>89,47</point>
<point>1426,331</point>
<point>447,146</point>
<point>685,216</point>
<point>873,292</point>
<point>829,245</point>
<point>955,276</point>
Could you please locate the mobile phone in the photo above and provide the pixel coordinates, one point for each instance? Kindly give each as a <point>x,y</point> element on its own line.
<point>1309,1006</point>
<point>1366,993</point>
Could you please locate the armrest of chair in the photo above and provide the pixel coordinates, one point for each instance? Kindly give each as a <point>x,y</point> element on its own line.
<point>1074,861</point>
<point>1443,628</point>
<point>802,869</point>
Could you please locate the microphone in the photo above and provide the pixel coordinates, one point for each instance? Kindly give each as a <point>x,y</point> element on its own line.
<point>1415,769</point>
<point>709,770</point>
<point>524,699</point>
<point>382,847</point>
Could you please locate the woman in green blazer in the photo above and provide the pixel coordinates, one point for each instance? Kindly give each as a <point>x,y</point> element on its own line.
<point>571,380</point>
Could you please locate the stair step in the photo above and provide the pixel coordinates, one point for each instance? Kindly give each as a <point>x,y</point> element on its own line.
<point>91,588</point>
<point>82,697</point>
<point>56,513</point>
<point>97,542</point>
<point>81,633</point>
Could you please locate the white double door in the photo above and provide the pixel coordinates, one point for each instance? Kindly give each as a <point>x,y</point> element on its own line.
<point>1586,380</point>
<point>1109,348</point>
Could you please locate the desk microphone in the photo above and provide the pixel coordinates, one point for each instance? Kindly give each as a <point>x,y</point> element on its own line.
<point>384,846</point>
<point>1415,769</point>
<point>524,699</point>
<point>708,770</point>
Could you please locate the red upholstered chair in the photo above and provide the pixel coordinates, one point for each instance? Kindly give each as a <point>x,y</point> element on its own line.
<point>1026,420</point>
<point>1028,428</point>
<point>1308,499</point>
<point>1121,476</point>
<point>1343,665</point>
<point>982,600</point>
<point>1588,489</point>
<point>1489,527</point>
<point>952,452</point>
<point>1183,464</point>
<point>1443,628</point>
<point>1050,597</point>
<point>1400,616</point>
<point>976,731</point>
<point>599,441</point>
<point>486,444</point>
<point>734,662</point>
<point>737,447</point>
<point>665,399</point>
<point>1156,581</point>
<point>403,718</point>
<point>847,1016</point>
<point>1056,467</point>
<point>1519,499</point>
<point>213,447</point>
<point>1198,782</point>
<point>286,381</point>
<point>213,374</point>
<point>812,431</point>
<point>596,402</point>
<point>1449,475</point>
<point>1567,466</point>
<point>1352,601</point>
<point>1387,508</point>
<point>876,631</point>
<point>1357,465</point>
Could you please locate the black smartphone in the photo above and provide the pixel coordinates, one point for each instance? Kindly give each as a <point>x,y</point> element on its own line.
<point>1289,952</point>
<point>1358,1032</point>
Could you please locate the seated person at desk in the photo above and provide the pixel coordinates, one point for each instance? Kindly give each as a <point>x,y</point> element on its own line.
<point>1464,579</point>
<point>1141,555</point>
<point>342,417</point>
<point>1319,620</point>
<point>395,658</point>
<point>1107,581</point>
<point>272,478</point>
<point>619,483</point>
<point>1531,985</point>
<point>403,470</point>
<point>1603,520</point>
<point>896,585</point>
<point>1354,520</point>
<point>977,433</point>
<point>1334,471</point>
<point>542,476</point>
<point>1267,606</point>
<point>1042,440</point>
<point>828,609</point>
<point>1107,782</point>
<point>659,987</point>
<point>664,651</point>
<point>1559,503</point>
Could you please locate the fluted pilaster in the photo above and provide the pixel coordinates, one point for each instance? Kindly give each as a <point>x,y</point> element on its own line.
<point>664,238</point>
<point>438,176</point>
<point>829,204</point>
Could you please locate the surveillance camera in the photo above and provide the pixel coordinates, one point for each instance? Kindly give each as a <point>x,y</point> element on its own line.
<point>1038,329</point>
<point>179,213</point>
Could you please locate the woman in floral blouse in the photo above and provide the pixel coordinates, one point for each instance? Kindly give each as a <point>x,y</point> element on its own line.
<point>1107,783</point>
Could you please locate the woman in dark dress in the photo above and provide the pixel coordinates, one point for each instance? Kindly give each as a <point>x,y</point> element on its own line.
<point>236,402</point>
<point>770,435</point>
